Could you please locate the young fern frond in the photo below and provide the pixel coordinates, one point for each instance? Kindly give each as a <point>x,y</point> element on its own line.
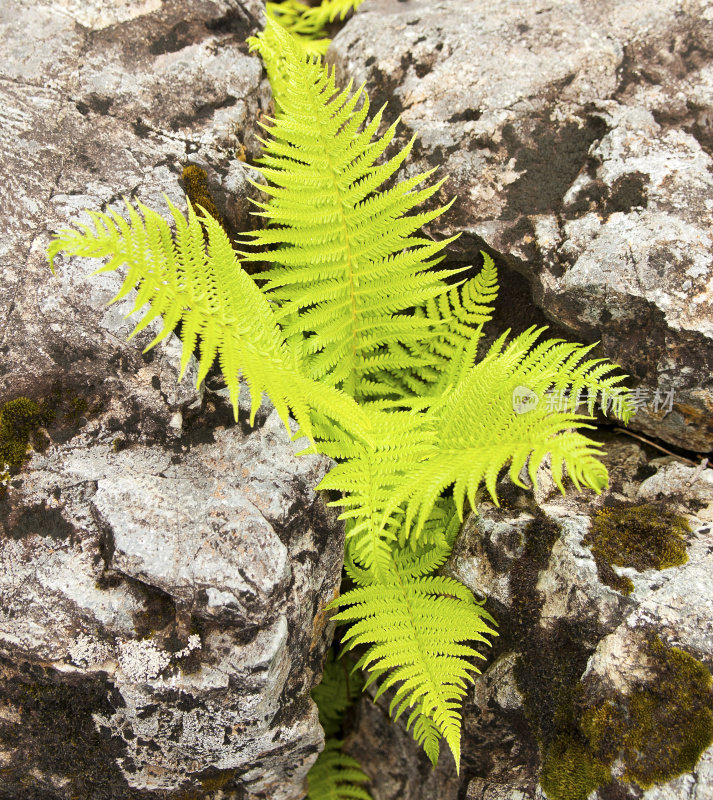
<point>335,693</point>
<point>348,260</point>
<point>479,428</point>
<point>213,298</point>
<point>304,20</point>
<point>336,776</point>
<point>468,435</point>
<point>458,318</point>
<point>415,625</point>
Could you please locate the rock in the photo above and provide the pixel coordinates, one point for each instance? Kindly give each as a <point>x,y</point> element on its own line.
<point>578,140</point>
<point>188,587</point>
<point>164,570</point>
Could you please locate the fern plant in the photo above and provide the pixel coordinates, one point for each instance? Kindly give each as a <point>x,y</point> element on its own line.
<point>308,23</point>
<point>335,775</point>
<point>355,332</point>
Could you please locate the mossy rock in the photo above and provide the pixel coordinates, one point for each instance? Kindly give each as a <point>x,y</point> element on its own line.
<point>642,537</point>
<point>571,772</point>
<point>20,421</point>
<point>661,729</point>
<point>195,182</point>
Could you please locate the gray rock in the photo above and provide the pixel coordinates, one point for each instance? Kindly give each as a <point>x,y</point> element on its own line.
<point>578,139</point>
<point>163,570</point>
<point>189,586</point>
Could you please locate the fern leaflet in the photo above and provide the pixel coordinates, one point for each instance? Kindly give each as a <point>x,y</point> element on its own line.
<point>212,298</point>
<point>336,776</point>
<point>415,625</point>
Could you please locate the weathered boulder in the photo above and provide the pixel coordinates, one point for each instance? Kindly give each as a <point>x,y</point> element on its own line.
<point>578,138</point>
<point>164,570</point>
<point>180,587</point>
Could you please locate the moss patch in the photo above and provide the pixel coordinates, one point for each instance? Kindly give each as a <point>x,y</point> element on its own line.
<point>661,729</point>
<point>195,182</point>
<point>642,537</point>
<point>548,670</point>
<point>571,772</point>
<point>20,421</point>
<point>657,732</point>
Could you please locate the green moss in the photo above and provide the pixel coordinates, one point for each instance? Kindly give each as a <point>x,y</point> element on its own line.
<point>78,406</point>
<point>661,728</point>
<point>571,772</point>
<point>214,779</point>
<point>20,420</point>
<point>195,181</point>
<point>641,537</point>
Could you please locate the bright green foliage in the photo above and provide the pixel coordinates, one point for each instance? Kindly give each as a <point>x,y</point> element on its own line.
<point>336,776</point>
<point>415,625</point>
<point>268,45</point>
<point>356,334</point>
<point>304,20</point>
<point>458,318</point>
<point>348,262</point>
<point>468,435</point>
<point>308,23</point>
<point>212,297</point>
<point>476,429</point>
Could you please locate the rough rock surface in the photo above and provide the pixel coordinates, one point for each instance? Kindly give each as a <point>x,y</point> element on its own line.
<point>578,137</point>
<point>567,639</point>
<point>163,570</point>
<point>183,583</point>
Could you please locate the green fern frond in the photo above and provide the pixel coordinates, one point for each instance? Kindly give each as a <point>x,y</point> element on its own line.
<point>310,21</point>
<point>213,298</point>
<point>349,260</point>
<point>469,434</point>
<point>335,693</point>
<point>336,776</point>
<point>458,318</point>
<point>369,478</point>
<point>478,428</point>
<point>415,626</point>
<point>268,44</point>
<point>353,309</point>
